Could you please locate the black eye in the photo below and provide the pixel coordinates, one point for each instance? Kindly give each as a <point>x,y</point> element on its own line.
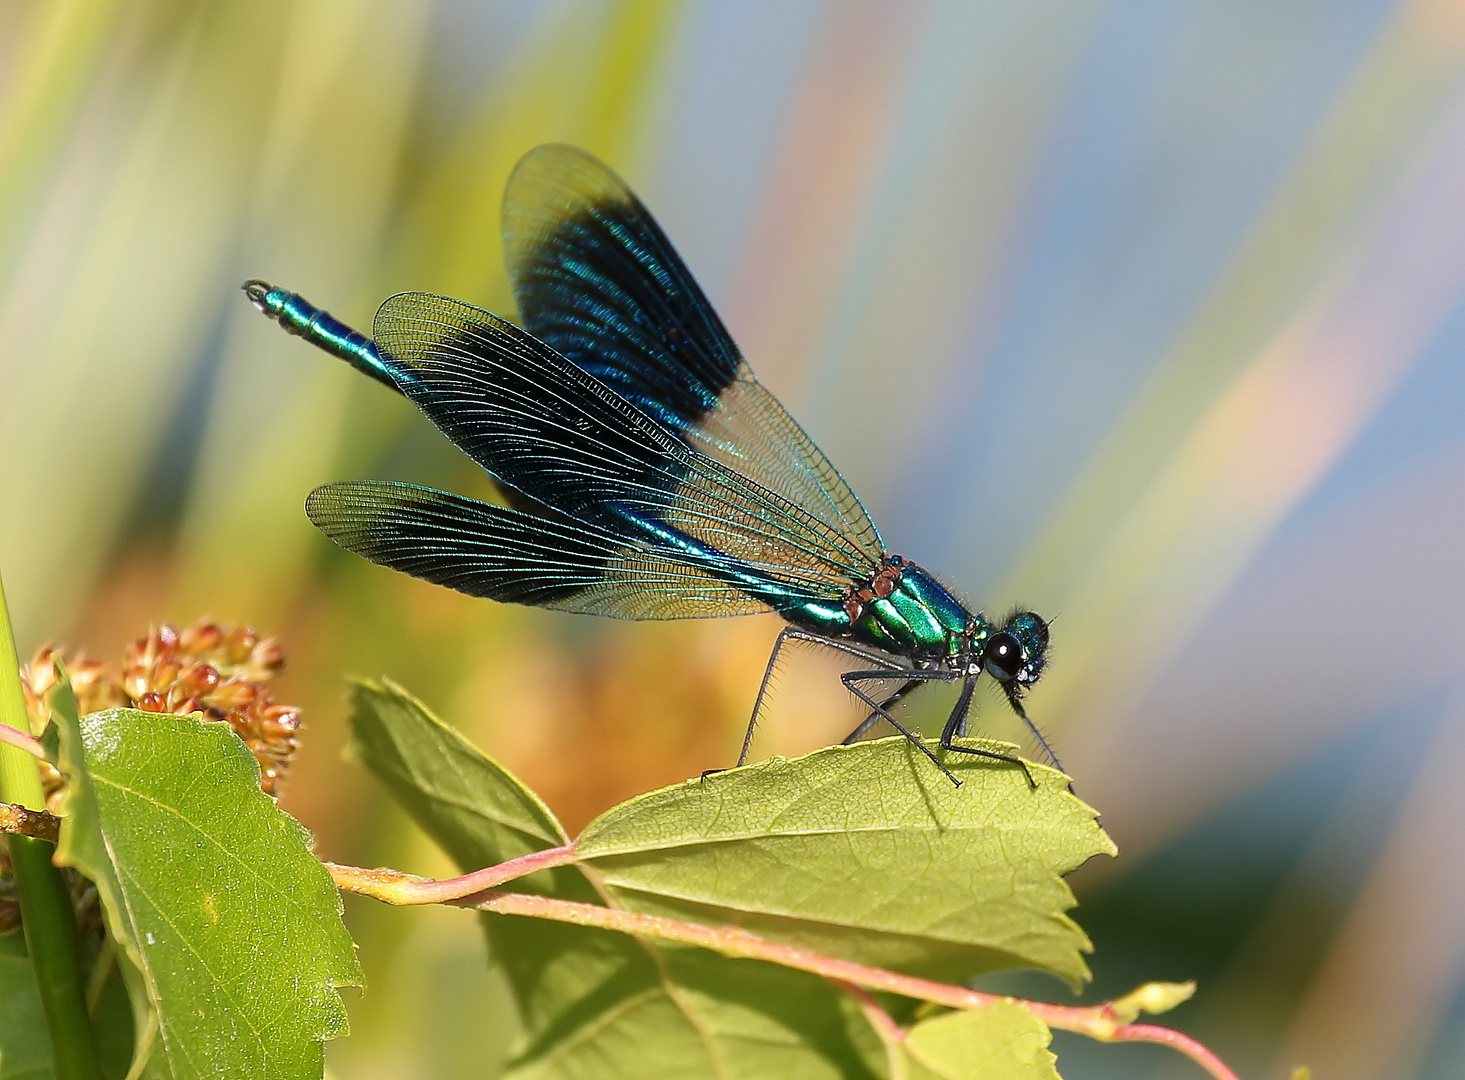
<point>1002,657</point>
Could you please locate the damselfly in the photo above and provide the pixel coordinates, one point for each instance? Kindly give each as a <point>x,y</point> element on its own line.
<point>649,474</point>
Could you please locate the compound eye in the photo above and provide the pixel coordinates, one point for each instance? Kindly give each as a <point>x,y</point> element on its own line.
<point>1002,657</point>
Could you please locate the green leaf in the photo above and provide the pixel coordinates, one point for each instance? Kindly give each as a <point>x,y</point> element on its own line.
<point>112,1023</point>
<point>228,929</point>
<point>475,808</point>
<point>864,852</point>
<point>597,1003</point>
<point>700,1014</point>
<point>25,1044</point>
<point>1001,1042</point>
<point>481,815</point>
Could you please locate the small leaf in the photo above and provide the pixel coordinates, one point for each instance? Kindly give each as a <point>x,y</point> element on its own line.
<point>867,853</point>
<point>1000,1042</point>
<point>597,1003</point>
<point>1152,997</point>
<point>229,929</point>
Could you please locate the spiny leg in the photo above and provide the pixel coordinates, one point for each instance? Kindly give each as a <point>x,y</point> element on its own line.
<point>913,680</point>
<point>793,633</point>
<point>956,724</point>
<point>849,678</point>
<point>1012,699</point>
<point>870,721</point>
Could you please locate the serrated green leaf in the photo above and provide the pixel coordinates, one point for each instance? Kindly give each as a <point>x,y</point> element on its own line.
<point>597,1003</point>
<point>476,809</point>
<point>231,926</point>
<point>866,853</point>
<point>1001,1042</point>
<point>480,815</point>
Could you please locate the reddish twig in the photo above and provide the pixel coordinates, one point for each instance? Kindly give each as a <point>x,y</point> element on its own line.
<point>404,890</point>
<point>23,821</point>
<point>1108,1022</point>
<point>879,1019</point>
<point>22,740</point>
<point>1176,1040</point>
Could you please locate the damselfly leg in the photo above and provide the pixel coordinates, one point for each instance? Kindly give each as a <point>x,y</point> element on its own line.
<point>794,633</point>
<point>956,725</point>
<point>850,678</point>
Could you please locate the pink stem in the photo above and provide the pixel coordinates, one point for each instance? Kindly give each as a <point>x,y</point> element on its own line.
<point>397,888</point>
<point>879,1019</point>
<point>1100,1022</point>
<point>23,741</point>
<point>1176,1040</point>
<point>1097,1021</point>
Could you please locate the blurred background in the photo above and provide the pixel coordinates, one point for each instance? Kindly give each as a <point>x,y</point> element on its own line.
<point>1144,314</point>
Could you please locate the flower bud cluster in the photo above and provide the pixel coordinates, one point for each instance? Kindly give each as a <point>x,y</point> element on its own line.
<point>222,673</point>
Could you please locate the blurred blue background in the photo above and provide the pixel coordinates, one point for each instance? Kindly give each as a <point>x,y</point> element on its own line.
<point>1147,313</point>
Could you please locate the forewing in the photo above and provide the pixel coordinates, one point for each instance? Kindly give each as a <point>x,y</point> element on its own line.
<point>599,282</point>
<point>544,426</point>
<point>517,558</point>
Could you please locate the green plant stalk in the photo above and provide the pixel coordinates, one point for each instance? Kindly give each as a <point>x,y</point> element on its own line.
<point>45,902</point>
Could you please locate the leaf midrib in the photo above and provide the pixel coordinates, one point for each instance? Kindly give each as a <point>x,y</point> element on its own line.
<point>833,921</point>
<point>747,837</point>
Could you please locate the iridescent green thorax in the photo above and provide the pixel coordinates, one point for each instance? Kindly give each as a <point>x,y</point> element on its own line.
<point>902,610</point>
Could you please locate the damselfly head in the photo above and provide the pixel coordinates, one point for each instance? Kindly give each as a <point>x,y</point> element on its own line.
<point>1015,655</point>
